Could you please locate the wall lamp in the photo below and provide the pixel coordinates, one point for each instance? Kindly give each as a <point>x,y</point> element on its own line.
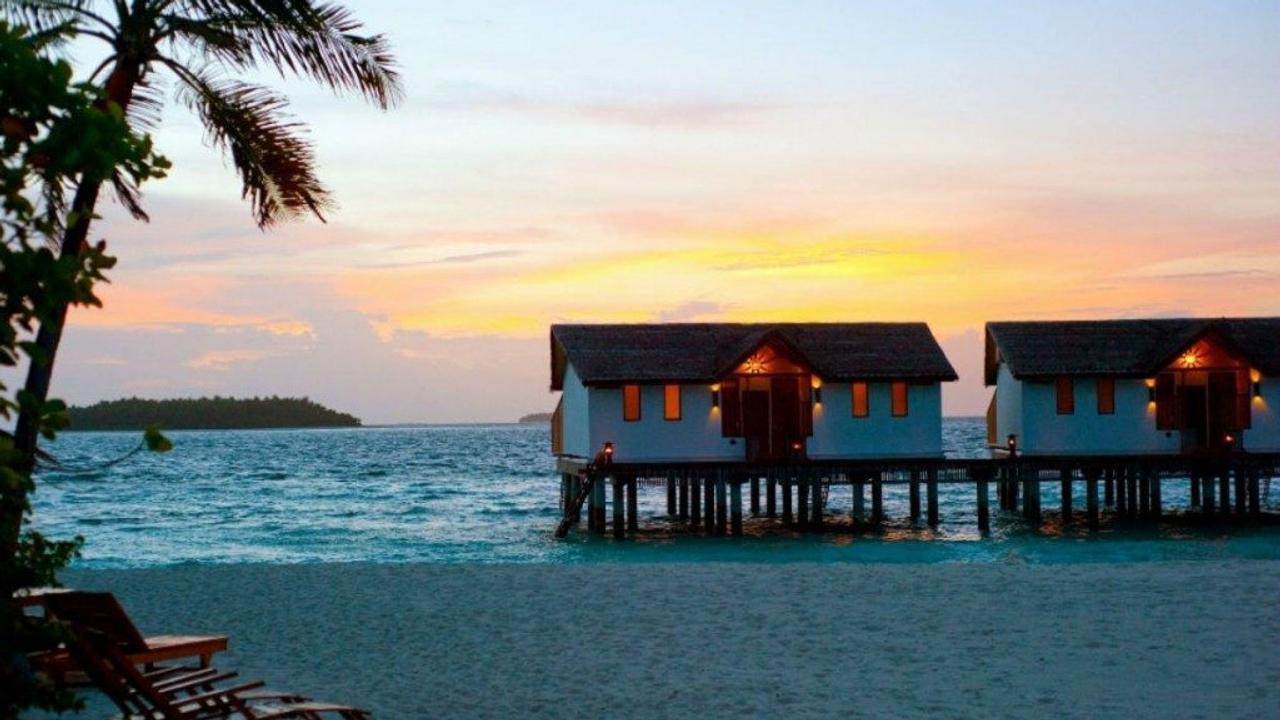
<point>607,452</point>
<point>715,397</point>
<point>1257,388</point>
<point>1012,443</point>
<point>817,395</point>
<point>1151,393</point>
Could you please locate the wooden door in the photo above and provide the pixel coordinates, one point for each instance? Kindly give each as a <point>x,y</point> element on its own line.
<point>787,430</point>
<point>755,425</point>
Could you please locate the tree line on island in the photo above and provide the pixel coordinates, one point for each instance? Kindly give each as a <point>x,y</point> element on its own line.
<point>208,413</point>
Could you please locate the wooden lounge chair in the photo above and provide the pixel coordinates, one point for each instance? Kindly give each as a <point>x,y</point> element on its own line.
<point>186,694</point>
<point>101,611</point>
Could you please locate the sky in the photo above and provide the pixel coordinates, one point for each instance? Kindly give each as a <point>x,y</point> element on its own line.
<point>707,161</point>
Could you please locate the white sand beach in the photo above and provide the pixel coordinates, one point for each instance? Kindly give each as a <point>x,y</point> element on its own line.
<point>1154,640</point>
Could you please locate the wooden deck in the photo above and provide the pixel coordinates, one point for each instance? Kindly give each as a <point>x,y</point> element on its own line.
<point>707,496</point>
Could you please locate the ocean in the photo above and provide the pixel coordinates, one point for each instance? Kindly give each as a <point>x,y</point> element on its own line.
<point>489,494</point>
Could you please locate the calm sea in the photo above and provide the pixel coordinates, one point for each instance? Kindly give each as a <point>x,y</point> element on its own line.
<point>489,493</point>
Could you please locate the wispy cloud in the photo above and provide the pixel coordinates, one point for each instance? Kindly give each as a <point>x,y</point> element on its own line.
<point>462,259</point>
<point>223,360</point>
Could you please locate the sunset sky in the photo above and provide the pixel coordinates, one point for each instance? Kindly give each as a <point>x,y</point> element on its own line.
<point>621,161</point>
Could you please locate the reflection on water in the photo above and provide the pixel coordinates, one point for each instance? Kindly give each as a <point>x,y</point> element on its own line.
<point>490,494</point>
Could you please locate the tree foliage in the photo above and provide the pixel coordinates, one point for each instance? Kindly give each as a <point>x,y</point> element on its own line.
<point>210,413</point>
<point>53,132</point>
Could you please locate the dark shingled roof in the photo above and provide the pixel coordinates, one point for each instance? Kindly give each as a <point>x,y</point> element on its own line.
<point>1134,348</point>
<point>705,352</point>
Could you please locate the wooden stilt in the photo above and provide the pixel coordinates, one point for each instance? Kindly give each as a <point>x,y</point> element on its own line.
<point>931,499</point>
<point>1207,500</point>
<point>1195,489</point>
<point>1122,501</point>
<point>1224,491</point>
<point>755,496</point>
<point>1240,490</point>
<point>633,516</point>
<point>1031,505</point>
<point>1091,496</point>
<point>671,496</point>
<point>815,507</point>
<point>788,517</point>
<point>1131,492</point>
<point>802,504</point>
<point>859,503</point>
<point>771,497</point>
<point>735,504</point>
<point>984,513</point>
<point>709,505</point>
<point>1014,487</point>
<point>877,499</point>
<point>1144,493</point>
<point>1157,492</point>
<point>722,510</point>
<point>619,521</point>
<point>695,502</point>
<point>1067,500</point>
<point>591,506</point>
<point>575,487</point>
<point>915,495</point>
<point>682,509</point>
<point>1255,494</point>
<point>1110,488</point>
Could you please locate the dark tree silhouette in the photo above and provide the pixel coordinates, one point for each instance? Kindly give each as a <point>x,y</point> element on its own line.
<point>201,47</point>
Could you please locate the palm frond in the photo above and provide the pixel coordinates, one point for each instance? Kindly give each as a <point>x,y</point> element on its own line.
<point>250,123</point>
<point>296,37</point>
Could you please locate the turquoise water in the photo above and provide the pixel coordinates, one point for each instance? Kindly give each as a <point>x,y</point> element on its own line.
<point>489,494</point>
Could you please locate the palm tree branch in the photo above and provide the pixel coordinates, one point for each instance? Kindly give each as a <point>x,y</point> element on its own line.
<point>276,165</point>
<point>301,37</point>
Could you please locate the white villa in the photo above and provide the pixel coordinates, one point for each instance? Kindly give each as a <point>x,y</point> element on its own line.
<point>747,392</point>
<point>1112,387</point>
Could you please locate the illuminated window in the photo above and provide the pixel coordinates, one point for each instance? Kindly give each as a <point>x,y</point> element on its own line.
<point>899,393</point>
<point>861,403</point>
<point>1066,396</point>
<point>671,402</point>
<point>631,403</point>
<point>1106,396</point>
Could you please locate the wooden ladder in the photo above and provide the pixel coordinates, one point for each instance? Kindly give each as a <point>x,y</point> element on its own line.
<point>574,508</point>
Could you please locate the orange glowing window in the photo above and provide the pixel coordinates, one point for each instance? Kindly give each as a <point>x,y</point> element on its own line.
<point>898,391</point>
<point>671,402</point>
<point>631,403</point>
<point>861,401</point>
<point>1066,392</point>
<point>1106,396</point>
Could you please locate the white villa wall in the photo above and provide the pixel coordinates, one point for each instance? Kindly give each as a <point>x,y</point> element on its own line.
<point>694,437</point>
<point>838,434</point>
<point>697,435</point>
<point>1131,429</point>
<point>1008,405</point>
<point>1264,436</point>
<point>573,416</point>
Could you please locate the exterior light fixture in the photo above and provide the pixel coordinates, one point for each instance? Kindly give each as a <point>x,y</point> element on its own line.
<point>1257,388</point>
<point>607,453</point>
<point>715,396</point>
<point>1151,393</point>
<point>1012,443</point>
<point>817,395</point>
<point>1229,439</point>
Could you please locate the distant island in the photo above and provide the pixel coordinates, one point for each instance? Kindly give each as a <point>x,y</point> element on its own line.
<point>215,413</point>
<point>534,418</point>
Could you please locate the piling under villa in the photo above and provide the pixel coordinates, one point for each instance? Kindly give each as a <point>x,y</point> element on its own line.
<point>788,414</point>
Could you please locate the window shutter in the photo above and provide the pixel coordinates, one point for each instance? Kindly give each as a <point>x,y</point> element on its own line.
<point>730,409</point>
<point>806,405</point>
<point>1167,415</point>
<point>1244,401</point>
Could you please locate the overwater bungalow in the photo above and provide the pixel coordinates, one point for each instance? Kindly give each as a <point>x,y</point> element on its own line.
<point>1134,387</point>
<point>751,393</point>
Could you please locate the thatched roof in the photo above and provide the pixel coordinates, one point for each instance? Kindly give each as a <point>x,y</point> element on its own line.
<point>1131,348</point>
<point>705,352</point>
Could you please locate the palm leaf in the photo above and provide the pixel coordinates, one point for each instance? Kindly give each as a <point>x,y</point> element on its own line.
<point>250,123</point>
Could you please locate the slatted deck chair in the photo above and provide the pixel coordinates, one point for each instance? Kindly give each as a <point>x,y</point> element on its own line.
<point>141,696</point>
<point>101,611</point>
